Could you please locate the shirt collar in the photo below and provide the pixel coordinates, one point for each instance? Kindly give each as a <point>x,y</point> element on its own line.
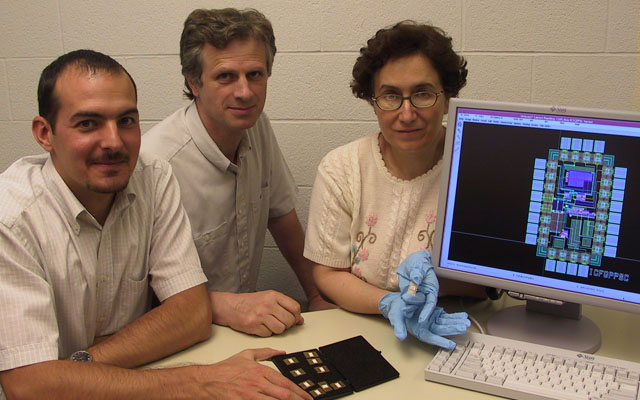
<point>71,207</point>
<point>207,146</point>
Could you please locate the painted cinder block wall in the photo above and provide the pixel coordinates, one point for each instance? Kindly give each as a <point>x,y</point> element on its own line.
<point>569,52</point>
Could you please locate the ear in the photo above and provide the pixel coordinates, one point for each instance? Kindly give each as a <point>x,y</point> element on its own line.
<point>42,132</point>
<point>193,87</point>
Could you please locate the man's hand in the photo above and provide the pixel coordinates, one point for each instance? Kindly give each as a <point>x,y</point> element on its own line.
<point>241,377</point>
<point>317,303</point>
<point>261,313</point>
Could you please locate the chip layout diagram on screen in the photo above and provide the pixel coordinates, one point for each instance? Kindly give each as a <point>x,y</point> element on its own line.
<point>537,200</point>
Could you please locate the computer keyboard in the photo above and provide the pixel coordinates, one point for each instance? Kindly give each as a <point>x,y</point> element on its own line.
<point>521,370</point>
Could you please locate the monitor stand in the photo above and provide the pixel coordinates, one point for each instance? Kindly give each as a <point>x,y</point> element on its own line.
<point>553,325</point>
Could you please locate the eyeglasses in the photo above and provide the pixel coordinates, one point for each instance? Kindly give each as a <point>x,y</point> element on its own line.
<point>392,101</point>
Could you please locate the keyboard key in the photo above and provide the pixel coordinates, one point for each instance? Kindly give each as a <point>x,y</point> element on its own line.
<point>609,396</point>
<point>627,381</point>
<point>466,373</point>
<point>481,377</point>
<point>628,388</point>
<point>511,383</point>
<point>622,393</point>
<point>495,379</point>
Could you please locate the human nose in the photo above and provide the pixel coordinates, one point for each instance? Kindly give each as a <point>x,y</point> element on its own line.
<point>407,112</point>
<point>242,89</point>
<point>111,136</point>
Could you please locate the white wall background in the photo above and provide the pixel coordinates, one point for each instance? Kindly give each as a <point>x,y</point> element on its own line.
<point>566,52</point>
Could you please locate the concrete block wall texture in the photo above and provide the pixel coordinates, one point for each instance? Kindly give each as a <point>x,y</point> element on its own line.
<point>566,52</point>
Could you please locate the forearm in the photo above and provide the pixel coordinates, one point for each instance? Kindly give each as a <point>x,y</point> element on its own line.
<point>347,290</point>
<point>75,380</point>
<point>289,236</point>
<point>179,322</point>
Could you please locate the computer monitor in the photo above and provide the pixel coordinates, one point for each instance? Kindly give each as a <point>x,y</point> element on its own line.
<point>543,201</point>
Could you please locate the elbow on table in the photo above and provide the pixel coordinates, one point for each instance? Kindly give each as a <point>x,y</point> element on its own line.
<point>196,301</point>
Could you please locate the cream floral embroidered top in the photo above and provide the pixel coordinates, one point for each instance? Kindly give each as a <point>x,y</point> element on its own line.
<point>361,217</point>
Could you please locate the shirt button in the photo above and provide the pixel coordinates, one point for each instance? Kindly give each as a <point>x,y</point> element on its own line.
<point>207,237</point>
<point>240,211</point>
<point>101,319</point>
<point>244,277</point>
<point>105,278</point>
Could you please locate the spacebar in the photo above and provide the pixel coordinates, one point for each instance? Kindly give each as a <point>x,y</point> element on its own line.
<point>511,383</point>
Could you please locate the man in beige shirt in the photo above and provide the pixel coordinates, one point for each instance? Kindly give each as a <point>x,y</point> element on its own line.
<point>86,231</point>
<point>234,181</point>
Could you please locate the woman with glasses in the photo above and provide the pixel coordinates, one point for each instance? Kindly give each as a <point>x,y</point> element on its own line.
<point>375,200</point>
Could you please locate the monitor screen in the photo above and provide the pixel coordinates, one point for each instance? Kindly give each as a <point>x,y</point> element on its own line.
<point>542,200</point>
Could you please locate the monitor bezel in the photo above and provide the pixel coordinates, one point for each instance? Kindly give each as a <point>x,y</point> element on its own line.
<point>545,292</point>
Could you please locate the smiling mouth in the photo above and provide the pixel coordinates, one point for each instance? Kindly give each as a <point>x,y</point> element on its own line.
<point>242,108</point>
<point>407,131</point>
<point>242,112</point>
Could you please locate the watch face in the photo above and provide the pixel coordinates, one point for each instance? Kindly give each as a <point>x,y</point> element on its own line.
<point>81,355</point>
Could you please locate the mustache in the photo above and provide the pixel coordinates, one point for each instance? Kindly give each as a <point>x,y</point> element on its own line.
<point>116,156</point>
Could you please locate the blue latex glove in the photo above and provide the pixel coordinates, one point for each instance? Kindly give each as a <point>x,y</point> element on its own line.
<point>417,268</point>
<point>398,306</point>
<point>422,318</point>
<point>438,324</point>
<point>392,307</point>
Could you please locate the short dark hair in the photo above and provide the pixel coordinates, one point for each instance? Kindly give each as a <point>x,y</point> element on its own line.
<point>86,60</point>
<point>404,39</point>
<point>219,28</point>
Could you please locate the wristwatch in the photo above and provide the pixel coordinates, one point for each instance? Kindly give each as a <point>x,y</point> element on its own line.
<point>81,355</point>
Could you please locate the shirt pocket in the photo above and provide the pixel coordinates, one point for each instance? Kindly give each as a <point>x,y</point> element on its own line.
<point>212,249</point>
<point>133,300</point>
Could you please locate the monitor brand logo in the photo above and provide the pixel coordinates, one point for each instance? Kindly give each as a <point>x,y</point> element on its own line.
<point>586,357</point>
<point>558,109</point>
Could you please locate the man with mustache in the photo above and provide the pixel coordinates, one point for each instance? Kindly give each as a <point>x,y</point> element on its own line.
<point>234,181</point>
<point>86,231</point>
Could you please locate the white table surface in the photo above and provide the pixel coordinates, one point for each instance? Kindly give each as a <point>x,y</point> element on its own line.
<point>619,340</point>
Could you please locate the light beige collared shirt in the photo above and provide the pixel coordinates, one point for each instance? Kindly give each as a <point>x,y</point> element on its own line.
<point>228,204</point>
<point>64,279</point>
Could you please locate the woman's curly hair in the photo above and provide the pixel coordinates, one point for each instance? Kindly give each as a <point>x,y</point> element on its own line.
<point>404,39</point>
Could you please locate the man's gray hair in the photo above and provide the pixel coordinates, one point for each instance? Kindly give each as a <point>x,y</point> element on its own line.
<point>219,28</point>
